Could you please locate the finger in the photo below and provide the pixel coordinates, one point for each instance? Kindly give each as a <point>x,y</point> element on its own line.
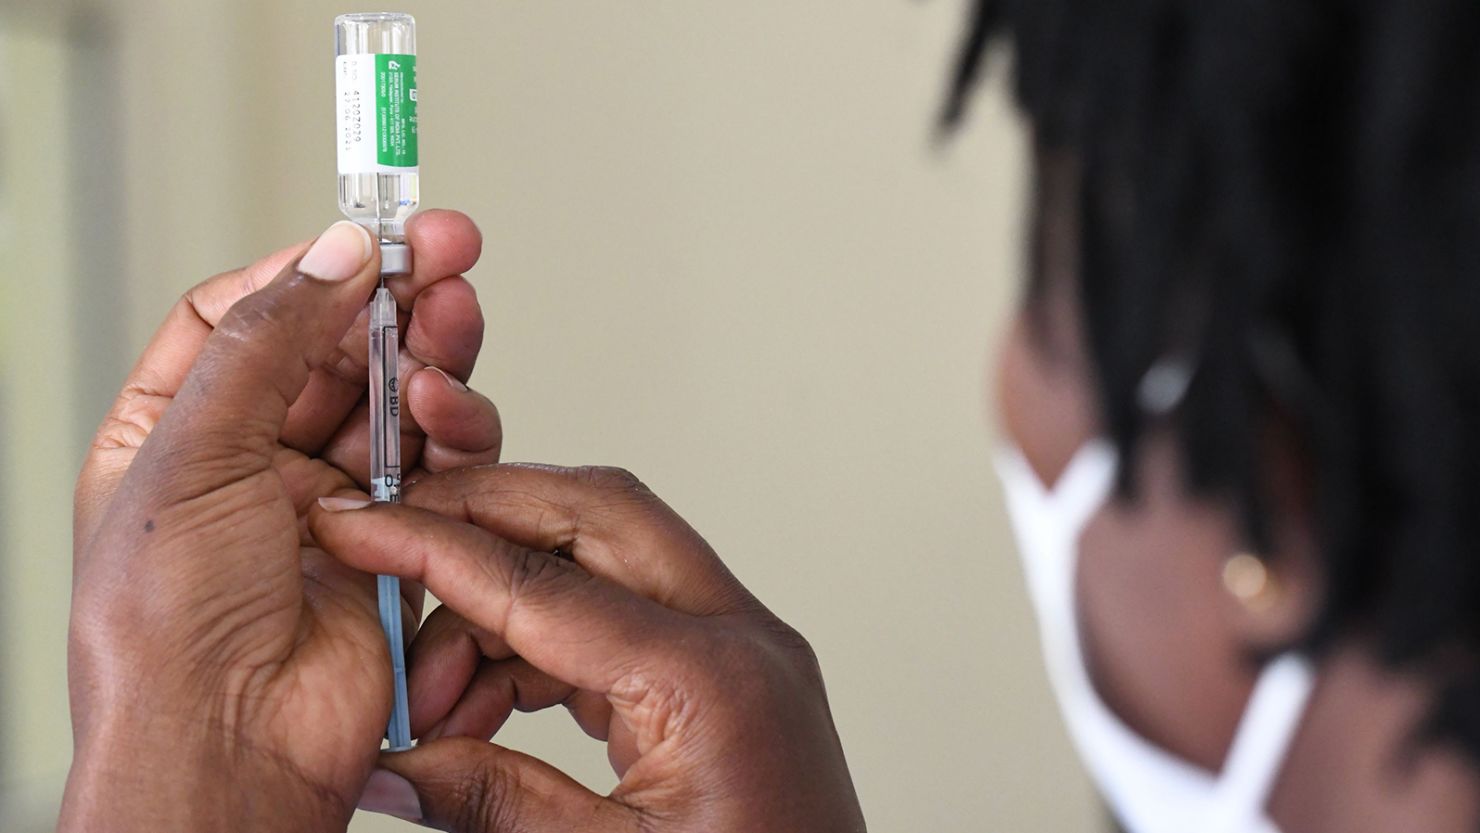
<point>349,451</point>
<point>156,378</point>
<point>448,243</point>
<point>465,427</point>
<point>464,681</point>
<point>225,422</point>
<point>450,328</point>
<point>462,426</point>
<point>218,439</point>
<point>496,690</point>
<point>413,595</point>
<point>441,324</point>
<point>611,523</point>
<point>578,628</point>
<point>468,786</point>
<point>592,712</point>
<point>442,661</point>
<point>442,243</point>
<point>446,327</point>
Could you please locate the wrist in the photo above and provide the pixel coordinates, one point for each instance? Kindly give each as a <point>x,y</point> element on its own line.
<point>195,781</point>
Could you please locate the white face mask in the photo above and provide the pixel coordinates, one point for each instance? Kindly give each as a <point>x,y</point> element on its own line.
<point>1148,789</point>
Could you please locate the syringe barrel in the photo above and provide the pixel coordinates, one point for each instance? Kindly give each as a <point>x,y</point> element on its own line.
<point>385,399</point>
<point>377,125</point>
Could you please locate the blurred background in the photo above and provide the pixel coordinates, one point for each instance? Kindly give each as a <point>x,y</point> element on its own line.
<point>723,249</point>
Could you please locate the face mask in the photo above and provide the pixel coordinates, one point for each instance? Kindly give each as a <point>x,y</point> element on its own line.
<point>1148,789</point>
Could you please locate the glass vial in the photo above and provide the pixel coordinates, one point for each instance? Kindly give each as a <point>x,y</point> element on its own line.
<point>375,92</point>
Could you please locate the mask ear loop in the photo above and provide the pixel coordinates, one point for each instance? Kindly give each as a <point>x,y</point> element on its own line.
<point>1263,739</point>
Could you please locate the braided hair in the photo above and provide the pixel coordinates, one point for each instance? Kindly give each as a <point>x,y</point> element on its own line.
<point>1286,193</point>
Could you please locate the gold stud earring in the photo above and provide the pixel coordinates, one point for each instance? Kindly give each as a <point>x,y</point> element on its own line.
<point>1247,579</point>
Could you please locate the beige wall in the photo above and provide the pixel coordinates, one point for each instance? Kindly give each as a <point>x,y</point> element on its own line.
<point>38,448</point>
<point>721,250</point>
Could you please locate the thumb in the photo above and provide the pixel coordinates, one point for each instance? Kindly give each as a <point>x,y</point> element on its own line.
<point>230,409</point>
<point>468,786</point>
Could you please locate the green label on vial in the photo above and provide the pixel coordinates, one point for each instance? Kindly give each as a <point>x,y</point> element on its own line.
<point>395,99</point>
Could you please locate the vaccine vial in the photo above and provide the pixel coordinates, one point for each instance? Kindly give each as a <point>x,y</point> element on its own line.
<point>375,91</point>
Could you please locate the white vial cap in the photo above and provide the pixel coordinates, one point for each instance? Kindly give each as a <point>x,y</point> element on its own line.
<point>395,259</point>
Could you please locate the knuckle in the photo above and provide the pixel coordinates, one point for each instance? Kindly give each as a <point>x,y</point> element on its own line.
<point>739,655</point>
<point>257,316</point>
<point>620,495</point>
<point>669,698</point>
<point>207,298</point>
<point>757,662</point>
<point>611,478</point>
<point>487,798</point>
<point>797,659</point>
<point>132,421</point>
<point>792,642</point>
<point>345,367</point>
<point>256,340</point>
<point>535,575</point>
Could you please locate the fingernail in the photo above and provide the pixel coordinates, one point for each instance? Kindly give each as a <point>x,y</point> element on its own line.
<point>343,504</point>
<point>338,254</point>
<point>452,381</point>
<point>388,793</point>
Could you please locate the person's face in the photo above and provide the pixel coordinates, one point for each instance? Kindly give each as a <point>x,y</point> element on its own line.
<point>1168,647</point>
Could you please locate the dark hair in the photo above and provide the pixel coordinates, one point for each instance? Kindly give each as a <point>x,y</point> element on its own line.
<point>1300,180</point>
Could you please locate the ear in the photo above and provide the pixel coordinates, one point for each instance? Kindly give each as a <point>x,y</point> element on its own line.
<point>1274,611</point>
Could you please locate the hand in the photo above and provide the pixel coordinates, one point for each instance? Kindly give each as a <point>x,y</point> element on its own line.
<point>225,673</point>
<point>579,587</point>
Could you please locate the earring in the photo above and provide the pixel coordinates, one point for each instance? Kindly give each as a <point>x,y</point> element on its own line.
<point>1247,579</point>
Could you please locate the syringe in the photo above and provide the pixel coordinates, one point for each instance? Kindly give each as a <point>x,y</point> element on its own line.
<point>375,91</point>
<point>385,485</point>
